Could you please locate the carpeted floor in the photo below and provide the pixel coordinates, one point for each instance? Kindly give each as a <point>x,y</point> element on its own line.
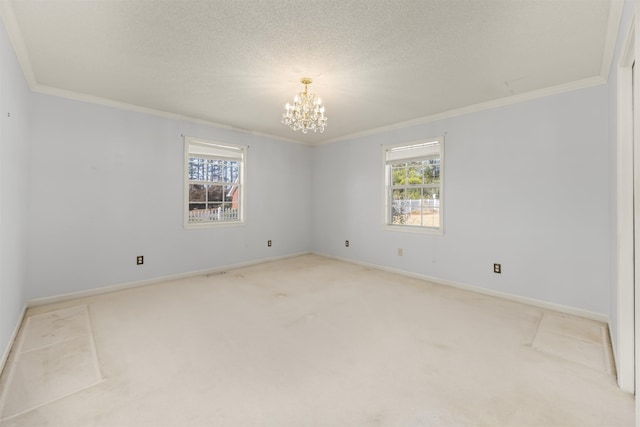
<point>308,341</point>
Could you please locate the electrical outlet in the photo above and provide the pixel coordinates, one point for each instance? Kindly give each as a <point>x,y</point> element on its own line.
<point>269,243</point>
<point>346,243</point>
<point>497,268</point>
<point>140,260</point>
<point>399,251</point>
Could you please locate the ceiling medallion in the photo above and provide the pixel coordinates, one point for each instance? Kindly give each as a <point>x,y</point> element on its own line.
<point>307,111</point>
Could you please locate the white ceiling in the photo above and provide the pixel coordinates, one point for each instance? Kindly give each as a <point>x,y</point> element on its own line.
<point>374,63</point>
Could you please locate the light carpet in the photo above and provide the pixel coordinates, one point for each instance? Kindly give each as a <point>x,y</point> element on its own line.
<point>308,341</point>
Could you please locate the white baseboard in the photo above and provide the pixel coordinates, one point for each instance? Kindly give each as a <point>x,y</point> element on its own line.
<point>524,300</point>
<point>14,335</point>
<point>614,353</point>
<point>119,287</point>
<point>516,298</point>
<point>107,289</point>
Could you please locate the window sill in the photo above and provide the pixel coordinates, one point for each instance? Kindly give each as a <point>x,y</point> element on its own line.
<point>201,225</point>
<point>413,229</point>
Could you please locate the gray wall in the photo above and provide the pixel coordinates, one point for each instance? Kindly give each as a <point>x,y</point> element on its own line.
<point>110,187</point>
<point>15,192</point>
<point>525,185</point>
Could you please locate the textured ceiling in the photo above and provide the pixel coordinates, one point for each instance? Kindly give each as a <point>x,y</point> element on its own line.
<point>375,63</point>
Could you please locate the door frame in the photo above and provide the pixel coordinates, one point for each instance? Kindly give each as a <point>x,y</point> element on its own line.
<point>626,319</point>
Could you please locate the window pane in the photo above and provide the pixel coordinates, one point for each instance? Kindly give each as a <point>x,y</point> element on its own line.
<point>196,169</point>
<point>398,194</point>
<point>230,171</point>
<point>414,173</point>
<point>235,197</point>
<point>399,211</point>
<point>199,213</point>
<point>214,170</point>
<point>227,190</point>
<point>229,213</point>
<point>215,193</point>
<point>429,218</point>
<point>398,174</point>
<point>197,193</point>
<point>433,196</point>
<point>414,193</point>
<point>431,207</point>
<point>412,210</point>
<point>432,171</point>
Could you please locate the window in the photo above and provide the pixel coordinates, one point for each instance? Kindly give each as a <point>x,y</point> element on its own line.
<point>413,186</point>
<point>214,183</point>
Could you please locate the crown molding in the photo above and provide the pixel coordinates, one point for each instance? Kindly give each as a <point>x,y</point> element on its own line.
<point>76,96</point>
<point>613,26</point>
<point>501,102</point>
<point>15,36</point>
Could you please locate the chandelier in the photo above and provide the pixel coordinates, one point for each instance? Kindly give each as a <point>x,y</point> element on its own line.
<point>307,111</point>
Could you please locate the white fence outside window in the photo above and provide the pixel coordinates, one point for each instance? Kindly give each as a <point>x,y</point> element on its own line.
<point>208,215</point>
<point>407,206</point>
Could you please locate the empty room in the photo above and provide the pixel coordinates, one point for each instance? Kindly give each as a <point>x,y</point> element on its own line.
<point>293,213</point>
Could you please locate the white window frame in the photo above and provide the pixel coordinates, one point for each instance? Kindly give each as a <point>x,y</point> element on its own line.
<point>387,159</point>
<point>193,145</point>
